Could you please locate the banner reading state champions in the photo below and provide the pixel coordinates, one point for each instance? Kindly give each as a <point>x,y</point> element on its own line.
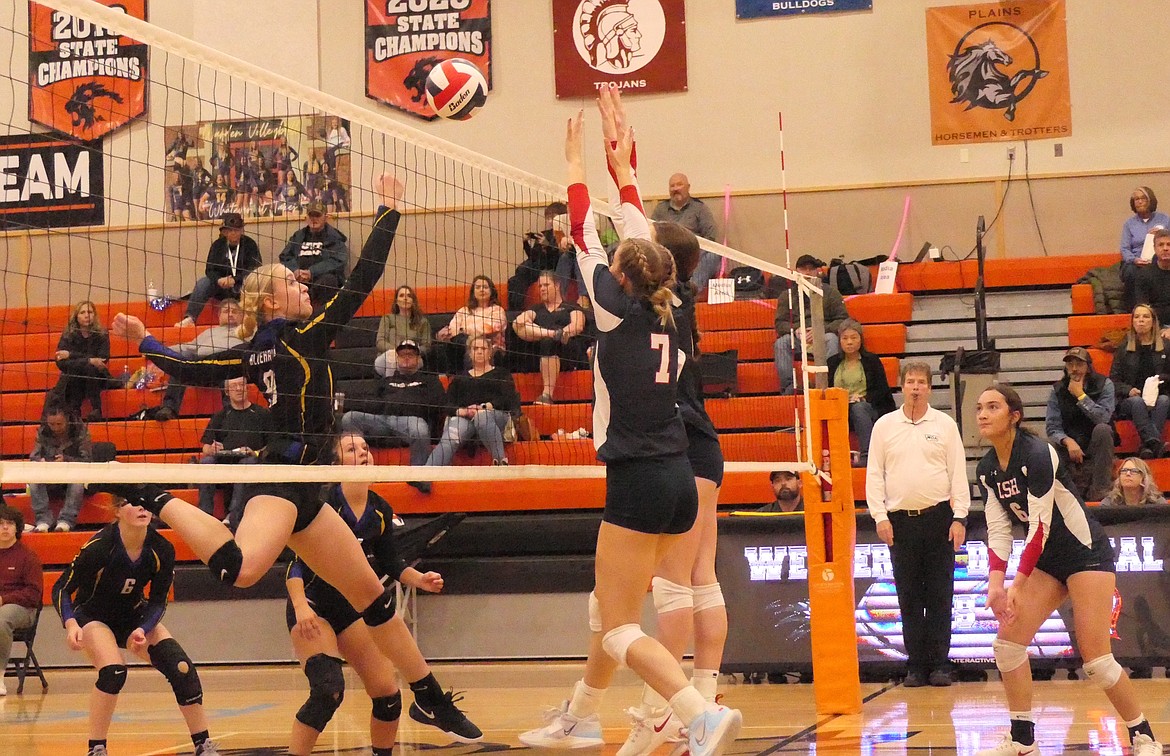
<point>405,39</point>
<point>84,80</point>
<point>998,72</point>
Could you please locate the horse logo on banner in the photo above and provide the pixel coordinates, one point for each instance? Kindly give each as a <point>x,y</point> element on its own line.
<point>978,80</point>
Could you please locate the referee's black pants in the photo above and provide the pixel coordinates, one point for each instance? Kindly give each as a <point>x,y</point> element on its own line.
<point>924,576</point>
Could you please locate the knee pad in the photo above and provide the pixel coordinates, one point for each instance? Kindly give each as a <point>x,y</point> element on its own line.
<point>1104,671</point>
<point>708,597</point>
<point>111,678</point>
<point>226,563</point>
<point>388,708</point>
<point>326,691</point>
<point>670,597</point>
<point>1009,655</point>
<point>617,642</point>
<point>383,609</point>
<point>168,657</point>
<point>594,613</point>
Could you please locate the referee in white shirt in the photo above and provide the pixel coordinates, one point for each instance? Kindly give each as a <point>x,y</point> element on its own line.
<point>917,492</point>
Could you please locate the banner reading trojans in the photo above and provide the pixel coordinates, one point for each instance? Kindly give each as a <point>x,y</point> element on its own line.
<point>639,44</point>
<point>998,72</point>
<point>84,80</point>
<point>405,39</point>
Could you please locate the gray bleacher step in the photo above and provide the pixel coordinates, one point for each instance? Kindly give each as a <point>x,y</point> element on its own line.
<point>996,329</point>
<point>1001,304</point>
<point>1055,343</point>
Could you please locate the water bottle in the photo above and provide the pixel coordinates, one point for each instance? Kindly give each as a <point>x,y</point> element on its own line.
<point>125,380</point>
<point>151,292</point>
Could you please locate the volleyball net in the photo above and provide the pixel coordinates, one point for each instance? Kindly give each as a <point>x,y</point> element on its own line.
<point>128,151</point>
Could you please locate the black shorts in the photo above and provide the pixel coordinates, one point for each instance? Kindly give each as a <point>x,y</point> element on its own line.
<point>1065,556</point>
<point>651,494</point>
<point>329,605</point>
<point>120,626</point>
<point>706,456</point>
<point>307,497</point>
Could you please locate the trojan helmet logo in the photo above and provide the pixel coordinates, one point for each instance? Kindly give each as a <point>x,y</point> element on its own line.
<point>618,36</point>
<point>994,66</point>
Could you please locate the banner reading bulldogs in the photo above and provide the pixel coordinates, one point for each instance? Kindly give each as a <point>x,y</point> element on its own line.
<point>49,182</point>
<point>84,80</point>
<point>405,39</point>
<point>757,8</point>
<point>998,72</point>
<point>641,45</point>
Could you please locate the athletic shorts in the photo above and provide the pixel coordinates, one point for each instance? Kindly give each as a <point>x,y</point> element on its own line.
<point>1065,556</point>
<point>654,495</point>
<point>329,605</point>
<point>121,626</point>
<point>307,497</point>
<point>706,456</point>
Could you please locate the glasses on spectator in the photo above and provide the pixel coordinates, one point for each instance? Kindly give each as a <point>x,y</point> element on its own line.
<point>1129,471</point>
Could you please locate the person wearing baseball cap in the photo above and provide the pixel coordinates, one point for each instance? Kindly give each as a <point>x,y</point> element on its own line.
<point>789,324</point>
<point>317,254</point>
<point>231,257</point>
<point>1078,422</point>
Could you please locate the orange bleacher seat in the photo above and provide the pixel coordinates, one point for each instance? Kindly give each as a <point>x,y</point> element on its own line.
<point>743,412</point>
<point>150,435</point>
<point>567,417</point>
<point>24,407</point>
<point>572,386</point>
<point>16,441</point>
<point>198,401</point>
<point>53,318</point>
<point>1102,360</point>
<point>1083,302</point>
<point>28,376</point>
<point>1087,330</point>
<point>740,315</point>
<point>773,446</point>
<point>752,345</point>
<point>1000,273</point>
<point>880,308</point>
<point>757,378</point>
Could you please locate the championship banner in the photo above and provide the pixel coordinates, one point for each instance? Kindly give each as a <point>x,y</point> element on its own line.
<point>757,8</point>
<point>998,72</point>
<point>405,39</point>
<point>49,182</point>
<point>84,80</point>
<point>641,45</point>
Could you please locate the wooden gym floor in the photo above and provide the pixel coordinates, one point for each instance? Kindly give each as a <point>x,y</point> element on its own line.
<point>250,709</point>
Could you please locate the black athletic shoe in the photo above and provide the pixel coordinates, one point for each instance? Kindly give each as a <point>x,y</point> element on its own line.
<point>149,496</point>
<point>447,717</point>
<point>914,680</point>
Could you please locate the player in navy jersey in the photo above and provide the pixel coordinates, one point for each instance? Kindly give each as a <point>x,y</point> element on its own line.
<point>286,356</point>
<point>1066,556</point>
<point>325,629</point>
<point>639,434</point>
<point>113,596</point>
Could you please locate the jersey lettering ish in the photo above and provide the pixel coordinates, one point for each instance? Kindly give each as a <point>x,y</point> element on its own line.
<point>1036,490</point>
<point>288,360</point>
<point>635,408</point>
<point>103,581</point>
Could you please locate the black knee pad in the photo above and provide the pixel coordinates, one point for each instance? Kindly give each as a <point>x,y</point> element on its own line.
<point>382,610</point>
<point>168,657</point>
<point>388,708</point>
<point>111,678</point>
<point>326,691</point>
<point>226,562</point>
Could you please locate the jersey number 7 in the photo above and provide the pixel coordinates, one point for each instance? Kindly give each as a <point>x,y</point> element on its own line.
<point>661,342</point>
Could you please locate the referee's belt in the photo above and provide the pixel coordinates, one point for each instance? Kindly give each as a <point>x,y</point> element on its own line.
<point>917,512</point>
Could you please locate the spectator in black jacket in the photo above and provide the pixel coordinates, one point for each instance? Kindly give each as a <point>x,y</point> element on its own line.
<point>237,434</point>
<point>542,251</point>
<point>1152,285</point>
<point>83,357</point>
<point>230,259</point>
<point>412,403</point>
<point>481,402</point>
<point>861,374</point>
<point>1143,356</point>
<point>318,255</point>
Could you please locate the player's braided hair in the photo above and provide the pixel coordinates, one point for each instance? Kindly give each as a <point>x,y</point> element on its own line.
<point>650,269</point>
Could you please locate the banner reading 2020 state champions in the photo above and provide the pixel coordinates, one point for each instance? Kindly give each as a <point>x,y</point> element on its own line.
<point>84,80</point>
<point>998,71</point>
<point>405,39</point>
<point>756,8</point>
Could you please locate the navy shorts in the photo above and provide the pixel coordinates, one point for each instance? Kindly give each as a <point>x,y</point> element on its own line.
<point>1065,556</point>
<point>120,626</point>
<point>329,605</point>
<point>308,498</point>
<point>654,495</point>
<point>706,456</point>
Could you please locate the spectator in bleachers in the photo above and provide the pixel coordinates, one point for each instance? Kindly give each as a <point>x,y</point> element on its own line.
<point>1143,356</point>
<point>542,251</point>
<point>786,487</point>
<point>412,404</point>
<point>21,584</point>
<point>61,437</point>
<point>1134,487</point>
<point>481,402</point>
<point>83,357</point>
<point>1077,421</point>
<point>552,325</point>
<point>230,259</point>
<point>1153,281</point>
<point>405,322</point>
<point>789,325</point>
<point>690,213</point>
<point>861,373</point>
<point>235,435</point>
<point>318,255</point>
<point>1145,220</point>
<point>481,316</point>
<point>214,339</point>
